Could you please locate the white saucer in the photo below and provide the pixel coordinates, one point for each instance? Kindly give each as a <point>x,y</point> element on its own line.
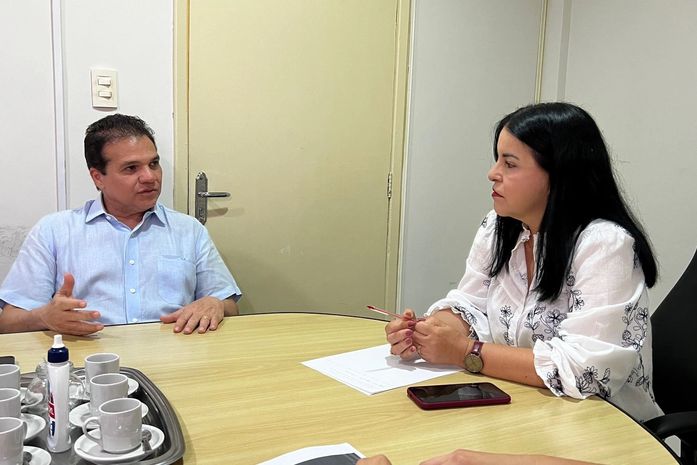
<point>92,452</point>
<point>38,455</point>
<point>79,414</point>
<point>132,387</point>
<point>35,424</point>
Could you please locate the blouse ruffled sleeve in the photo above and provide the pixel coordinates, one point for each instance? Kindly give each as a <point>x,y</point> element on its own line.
<point>469,299</point>
<point>599,342</point>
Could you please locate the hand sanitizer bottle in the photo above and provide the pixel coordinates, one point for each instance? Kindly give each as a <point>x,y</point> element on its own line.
<point>58,439</point>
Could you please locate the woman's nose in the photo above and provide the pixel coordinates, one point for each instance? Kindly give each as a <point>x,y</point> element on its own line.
<point>493,174</point>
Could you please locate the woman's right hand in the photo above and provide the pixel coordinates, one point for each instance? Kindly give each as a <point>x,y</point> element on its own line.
<point>399,334</point>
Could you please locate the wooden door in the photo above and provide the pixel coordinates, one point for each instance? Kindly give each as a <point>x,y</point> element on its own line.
<point>296,108</point>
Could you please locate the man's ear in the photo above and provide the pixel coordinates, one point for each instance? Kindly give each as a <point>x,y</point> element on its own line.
<point>96,176</point>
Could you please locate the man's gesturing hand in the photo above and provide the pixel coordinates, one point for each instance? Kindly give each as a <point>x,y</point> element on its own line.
<point>64,314</point>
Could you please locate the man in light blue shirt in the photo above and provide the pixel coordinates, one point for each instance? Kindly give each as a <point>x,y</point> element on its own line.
<point>121,258</point>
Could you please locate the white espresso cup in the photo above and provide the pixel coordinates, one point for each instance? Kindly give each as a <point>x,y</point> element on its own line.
<point>9,376</point>
<point>10,402</point>
<point>120,425</point>
<point>12,434</point>
<point>106,386</point>
<point>97,364</point>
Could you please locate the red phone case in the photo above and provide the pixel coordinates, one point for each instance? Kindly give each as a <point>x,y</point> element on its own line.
<point>498,396</point>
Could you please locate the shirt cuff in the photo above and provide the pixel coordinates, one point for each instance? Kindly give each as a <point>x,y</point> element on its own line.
<point>546,369</point>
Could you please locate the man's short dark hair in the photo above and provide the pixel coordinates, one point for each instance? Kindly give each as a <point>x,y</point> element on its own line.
<point>110,129</point>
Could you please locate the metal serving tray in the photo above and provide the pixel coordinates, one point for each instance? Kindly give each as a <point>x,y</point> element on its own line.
<point>160,415</point>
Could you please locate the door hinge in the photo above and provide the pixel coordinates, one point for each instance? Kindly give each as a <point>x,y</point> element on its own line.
<point>389,186</point>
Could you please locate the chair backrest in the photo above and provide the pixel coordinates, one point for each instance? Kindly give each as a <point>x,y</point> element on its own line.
<point>674,327</point>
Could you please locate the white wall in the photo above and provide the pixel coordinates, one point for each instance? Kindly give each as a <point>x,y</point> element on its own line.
<point>27,150</point>
<point>633,66</point>
<point>135,38</point>
<point>472,63</point>
<point>131,36</point>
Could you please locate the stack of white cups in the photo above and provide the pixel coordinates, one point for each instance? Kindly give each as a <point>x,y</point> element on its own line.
<point>12,429</point>
<point>97,364</point>
<point>119,418</point>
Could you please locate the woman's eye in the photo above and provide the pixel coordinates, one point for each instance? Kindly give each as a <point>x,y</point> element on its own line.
<point>509,165</point>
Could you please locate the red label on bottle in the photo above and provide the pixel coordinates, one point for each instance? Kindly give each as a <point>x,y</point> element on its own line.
<point>51,407</point>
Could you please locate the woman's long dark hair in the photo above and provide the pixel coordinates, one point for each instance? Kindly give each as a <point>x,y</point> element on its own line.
<point>569,146</point>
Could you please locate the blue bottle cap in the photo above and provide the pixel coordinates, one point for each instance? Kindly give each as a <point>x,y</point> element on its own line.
<point>58,353</point>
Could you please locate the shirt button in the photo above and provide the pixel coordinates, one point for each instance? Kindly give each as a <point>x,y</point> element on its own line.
<point>133,291</point>
<point>131,262</point>
<point>135,320</point>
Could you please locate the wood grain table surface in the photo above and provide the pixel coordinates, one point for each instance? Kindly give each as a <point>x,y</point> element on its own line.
<point>242,396</point>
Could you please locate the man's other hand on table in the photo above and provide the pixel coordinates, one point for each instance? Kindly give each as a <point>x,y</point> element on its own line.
<point>205,314</point>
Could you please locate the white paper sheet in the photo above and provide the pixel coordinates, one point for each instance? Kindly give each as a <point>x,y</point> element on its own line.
<point>309,453</point>
<point>375,370</point>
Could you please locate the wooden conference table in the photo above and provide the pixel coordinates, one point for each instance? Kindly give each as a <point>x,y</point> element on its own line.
<point>242,396</point>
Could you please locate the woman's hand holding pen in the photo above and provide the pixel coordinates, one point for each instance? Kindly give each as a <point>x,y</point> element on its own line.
<point>441,341</point>
<point>399,334</point>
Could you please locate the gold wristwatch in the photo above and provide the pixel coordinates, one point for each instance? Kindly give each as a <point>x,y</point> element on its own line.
<point>473,360</point>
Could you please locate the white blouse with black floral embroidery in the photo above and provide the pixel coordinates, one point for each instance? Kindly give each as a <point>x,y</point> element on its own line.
<point>594,339</point>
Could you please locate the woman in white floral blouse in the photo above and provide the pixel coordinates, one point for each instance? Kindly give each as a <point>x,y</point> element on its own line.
<point>555,289</point>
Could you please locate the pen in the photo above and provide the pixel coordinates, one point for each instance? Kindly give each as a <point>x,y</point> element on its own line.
<point>388,313</point>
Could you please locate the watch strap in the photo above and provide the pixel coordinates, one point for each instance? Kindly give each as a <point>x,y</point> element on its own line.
<point>477,348</point>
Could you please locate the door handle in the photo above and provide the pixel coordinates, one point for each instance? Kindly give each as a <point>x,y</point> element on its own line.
<point>202,196</point>
<point>213,194</point>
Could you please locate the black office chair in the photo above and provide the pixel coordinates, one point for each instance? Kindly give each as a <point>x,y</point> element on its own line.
<point>674,326</point>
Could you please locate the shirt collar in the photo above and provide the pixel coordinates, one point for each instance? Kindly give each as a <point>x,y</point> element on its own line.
<point>525,233</point>
<point>525,236</point>
<point>96,210</point>
<point>158,211</point>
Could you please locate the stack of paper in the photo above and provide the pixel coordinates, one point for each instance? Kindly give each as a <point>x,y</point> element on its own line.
<point>375,370</point>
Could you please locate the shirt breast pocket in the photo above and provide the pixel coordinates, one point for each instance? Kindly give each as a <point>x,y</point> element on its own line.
<point>176,280</point>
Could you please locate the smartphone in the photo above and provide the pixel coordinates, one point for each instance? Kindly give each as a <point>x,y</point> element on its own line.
<point>457,395</point>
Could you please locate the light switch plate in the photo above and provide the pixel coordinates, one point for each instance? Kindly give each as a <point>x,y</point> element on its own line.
<point>104,82</point>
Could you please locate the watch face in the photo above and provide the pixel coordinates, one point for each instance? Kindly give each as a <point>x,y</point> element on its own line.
<point>473,363</point>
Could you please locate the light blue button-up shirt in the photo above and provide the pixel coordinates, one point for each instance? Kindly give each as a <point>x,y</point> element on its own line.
<point>165,262</point>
